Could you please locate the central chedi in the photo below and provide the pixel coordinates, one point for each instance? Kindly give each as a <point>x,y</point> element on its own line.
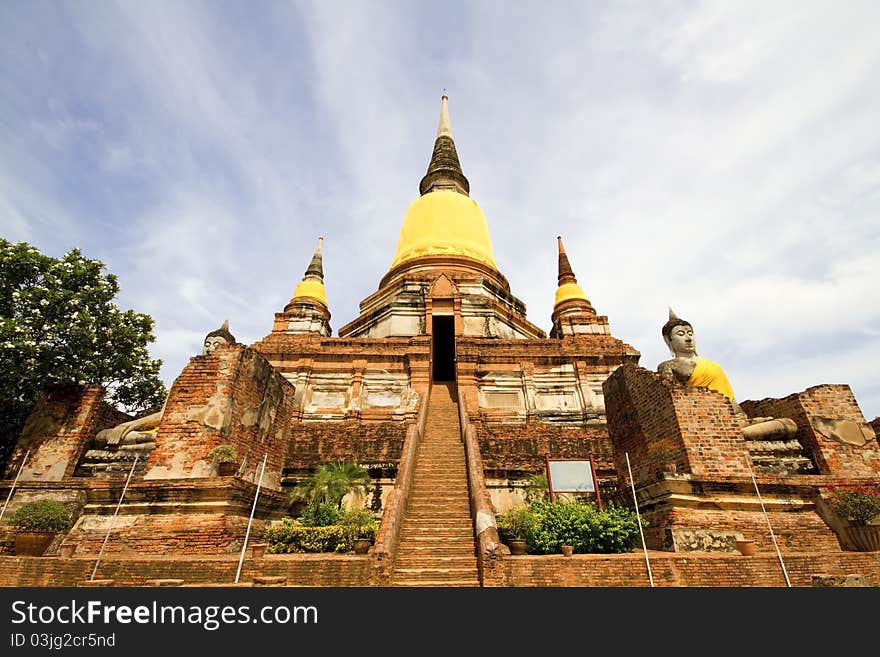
<point>443,279</point>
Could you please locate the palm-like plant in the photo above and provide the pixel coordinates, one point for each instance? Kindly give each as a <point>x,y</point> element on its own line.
<point>331,482</point>
<point>537,488</point>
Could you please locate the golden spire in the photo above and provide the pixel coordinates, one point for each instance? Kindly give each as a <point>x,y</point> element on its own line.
<point>444,220</point>
<point>568,289</point>
<point>312,284</point>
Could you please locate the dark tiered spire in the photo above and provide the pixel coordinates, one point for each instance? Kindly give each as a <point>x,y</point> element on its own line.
<point>566,275</point>
<point>444,171</point>
<point>316,267</point>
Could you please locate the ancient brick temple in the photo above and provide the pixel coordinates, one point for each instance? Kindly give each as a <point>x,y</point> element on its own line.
<point>451,397</point>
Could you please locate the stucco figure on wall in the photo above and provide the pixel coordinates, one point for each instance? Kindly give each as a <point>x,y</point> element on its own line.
<point>686,366</point>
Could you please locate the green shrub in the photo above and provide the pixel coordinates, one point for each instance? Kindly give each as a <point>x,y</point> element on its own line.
<point>361,522</point>
<point>319,514</point>
<point>517,522</point>
<point>41,516</point>
<point>291,536</point>
<point>580,524</point>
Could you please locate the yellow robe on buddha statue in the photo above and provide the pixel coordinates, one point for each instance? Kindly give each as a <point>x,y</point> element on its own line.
<point>710,375</point>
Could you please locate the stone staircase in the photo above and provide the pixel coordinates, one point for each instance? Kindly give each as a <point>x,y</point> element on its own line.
<point>436,544</point>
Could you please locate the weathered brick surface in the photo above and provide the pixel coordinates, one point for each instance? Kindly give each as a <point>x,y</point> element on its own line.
<point>808,409</point>
<point>299,570</point>
<point>620,570</point>
<point>186,516</point>
<point>802,531</point>
<point>523,447</point>
<point>698,424</point>
<point>708,569</point>
<point>232,396</point>
<point>181,533</point>
<point>312,444</point>
<point>64,419</point>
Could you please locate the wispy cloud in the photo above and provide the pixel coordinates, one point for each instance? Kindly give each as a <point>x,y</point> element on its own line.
<point>721,158</point>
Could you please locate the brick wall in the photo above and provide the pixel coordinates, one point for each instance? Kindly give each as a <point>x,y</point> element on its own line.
<point>715,570</point>
<point>797,531</point>
<point>593,570</point>
<point>165,517</point>
<point>300,570</point>
<point>523,446</point>
<point>647,416</point>
<point>822,413</point>
<point>63,420</point>
<point>232,396</point>
<point>312,443</point>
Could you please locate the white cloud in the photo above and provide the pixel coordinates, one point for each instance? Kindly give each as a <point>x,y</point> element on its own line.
<point>721,158</point>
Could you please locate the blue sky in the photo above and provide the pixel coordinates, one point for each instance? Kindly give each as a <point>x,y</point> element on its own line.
<point>722,158</point>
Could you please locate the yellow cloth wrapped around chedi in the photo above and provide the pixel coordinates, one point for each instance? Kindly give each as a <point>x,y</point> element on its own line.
<point>709,374</point>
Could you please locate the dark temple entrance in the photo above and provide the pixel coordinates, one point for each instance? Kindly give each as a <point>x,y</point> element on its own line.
<point>443,356</point>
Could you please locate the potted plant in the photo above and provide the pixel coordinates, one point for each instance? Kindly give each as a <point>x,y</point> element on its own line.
<point>226,459</point>
<point>362,525</point>
<point>860,504</point>
<point>37,523</point>
<point>515,527</point>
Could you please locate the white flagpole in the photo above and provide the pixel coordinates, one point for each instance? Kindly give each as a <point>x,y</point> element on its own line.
<point>113,519</point>
<point>769,526</point>
<point>639,517</point>
<point>18,474</point>
<point>251,519</point>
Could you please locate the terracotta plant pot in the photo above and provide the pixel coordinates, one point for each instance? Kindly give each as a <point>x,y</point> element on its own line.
<point>362,545</point>
<point>226,469</point>
<point>517,546</point>
<point>746,547</point>
<point>258,550</point>
<point>567,550</point>
<point>864,538</point>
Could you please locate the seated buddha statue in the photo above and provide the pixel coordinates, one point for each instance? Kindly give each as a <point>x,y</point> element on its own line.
<point>138,430</point>
<point>686,366</point>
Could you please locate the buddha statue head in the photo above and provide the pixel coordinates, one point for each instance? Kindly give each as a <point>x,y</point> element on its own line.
<point>679,336</point>
<point>218,338</point>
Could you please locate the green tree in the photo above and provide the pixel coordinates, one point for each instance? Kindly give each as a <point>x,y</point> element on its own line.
<point>331,482</point>
<point>59,325</point>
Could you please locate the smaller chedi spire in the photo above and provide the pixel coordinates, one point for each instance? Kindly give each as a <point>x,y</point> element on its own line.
<point>308,310</point>
<point>568,289</point>
<point>572,311</point>
<point>566,275</point>
<point>312,284</point>
<point>444,170</point>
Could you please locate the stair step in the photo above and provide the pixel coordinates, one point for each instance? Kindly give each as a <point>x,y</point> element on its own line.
<point>424,512</point>
<point>440,532</point>
<point>430,584</point>
<point>436,541</point>
<point>406,565</point>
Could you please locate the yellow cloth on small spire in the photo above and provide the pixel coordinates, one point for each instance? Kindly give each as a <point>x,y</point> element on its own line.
<point>709,374</point>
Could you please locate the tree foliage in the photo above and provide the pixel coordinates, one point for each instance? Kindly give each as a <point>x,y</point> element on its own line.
<point>59,325</point>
